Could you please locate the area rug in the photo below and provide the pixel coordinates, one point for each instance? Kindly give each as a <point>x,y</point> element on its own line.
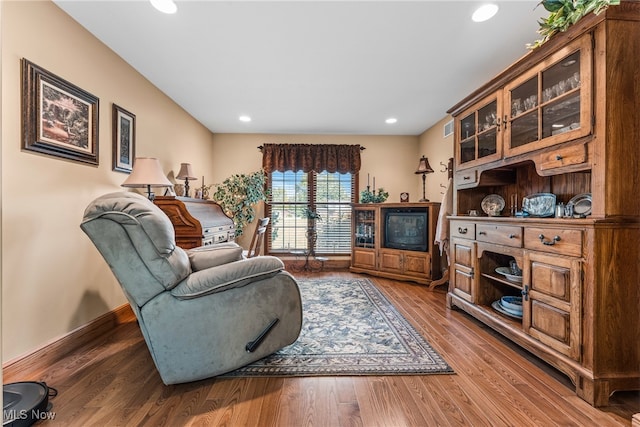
<point>349,328</point>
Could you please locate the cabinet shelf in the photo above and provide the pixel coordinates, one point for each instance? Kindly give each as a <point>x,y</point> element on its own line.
<point>502,280</point>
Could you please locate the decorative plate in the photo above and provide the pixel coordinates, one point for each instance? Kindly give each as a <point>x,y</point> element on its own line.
<point>581,204</point>
<point>512,303</point>
<point>540,204</point>
<point>493,204</point>
<point>500,309</point>
<point>506,271</point>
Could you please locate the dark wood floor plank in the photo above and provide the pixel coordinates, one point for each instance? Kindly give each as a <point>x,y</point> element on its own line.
<point>112,381</point>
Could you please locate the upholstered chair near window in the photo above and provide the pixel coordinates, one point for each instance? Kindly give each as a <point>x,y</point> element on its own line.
<point>203,312</point>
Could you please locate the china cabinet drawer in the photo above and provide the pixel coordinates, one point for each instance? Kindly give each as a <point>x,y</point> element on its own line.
<point>463,229</point>
<point>555,240</point>
<point>569,156</point>
<point>507,235</point>
<point>468,177</point>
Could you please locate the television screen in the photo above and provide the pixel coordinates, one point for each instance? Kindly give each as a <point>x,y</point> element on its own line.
<point>406,229</point>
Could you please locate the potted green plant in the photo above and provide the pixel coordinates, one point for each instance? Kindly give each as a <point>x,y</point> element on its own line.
<point>238,194</point>
<point>564,13</point>
<point>367,196</point>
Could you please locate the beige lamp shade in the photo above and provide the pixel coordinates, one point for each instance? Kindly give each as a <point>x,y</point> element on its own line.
<point>146,172</point>
<point>186,172</point>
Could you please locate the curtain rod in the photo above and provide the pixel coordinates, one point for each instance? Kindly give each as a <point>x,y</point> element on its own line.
<point>260,147</point>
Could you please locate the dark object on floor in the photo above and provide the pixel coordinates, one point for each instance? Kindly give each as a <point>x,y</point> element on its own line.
<point>24,403</point>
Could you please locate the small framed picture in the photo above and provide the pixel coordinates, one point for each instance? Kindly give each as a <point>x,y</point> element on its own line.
<point>124,139</point>
<point>404,197</point>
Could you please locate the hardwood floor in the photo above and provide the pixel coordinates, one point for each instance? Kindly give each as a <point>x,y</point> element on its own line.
<point>112,382</point>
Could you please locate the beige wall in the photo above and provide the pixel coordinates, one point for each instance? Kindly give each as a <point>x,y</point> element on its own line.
<point>436,148</point>
<point>53,279</point>
<point>390,159</point>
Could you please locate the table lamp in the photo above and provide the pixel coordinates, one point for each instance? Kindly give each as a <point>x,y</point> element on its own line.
<point>147,172</point>
<point>186,173</point>
<point>424,168</point>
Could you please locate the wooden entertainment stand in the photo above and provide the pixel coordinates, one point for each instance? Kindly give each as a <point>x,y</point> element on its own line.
<point>561,120</point>
<point>369,254</point>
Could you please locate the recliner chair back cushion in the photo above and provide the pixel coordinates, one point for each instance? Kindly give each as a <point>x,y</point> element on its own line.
<point>135,226</point>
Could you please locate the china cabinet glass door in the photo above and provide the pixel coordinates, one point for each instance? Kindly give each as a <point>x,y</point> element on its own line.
<point>479,134</point>
<point>552,103</point>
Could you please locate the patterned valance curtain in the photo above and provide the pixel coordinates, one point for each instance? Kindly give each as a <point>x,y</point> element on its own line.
<point>311,157</point>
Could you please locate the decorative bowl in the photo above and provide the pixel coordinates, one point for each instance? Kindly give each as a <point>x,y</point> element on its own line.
<point>540,204</point>
<point>493,204</point>
<point>512,303</point>
<point>506,272</point>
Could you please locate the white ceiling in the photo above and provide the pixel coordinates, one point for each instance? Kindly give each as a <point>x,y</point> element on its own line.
<point>313,67</point>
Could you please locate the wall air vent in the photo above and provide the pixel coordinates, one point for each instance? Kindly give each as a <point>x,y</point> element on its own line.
<point>448,128</point>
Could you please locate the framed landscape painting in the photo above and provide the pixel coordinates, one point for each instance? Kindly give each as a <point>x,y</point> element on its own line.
<point>124,139</point>
<point>58,118</point>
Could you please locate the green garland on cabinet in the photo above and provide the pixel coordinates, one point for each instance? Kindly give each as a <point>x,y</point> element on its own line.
<point>564,13</point>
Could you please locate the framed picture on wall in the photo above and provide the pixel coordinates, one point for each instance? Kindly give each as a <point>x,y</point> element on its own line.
<point>124,139</point>
<point>58,118</point>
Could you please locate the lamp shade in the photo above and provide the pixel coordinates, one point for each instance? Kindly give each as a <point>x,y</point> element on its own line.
<point>146,172</point>
<point>424,166</point>
<point>186,172</point>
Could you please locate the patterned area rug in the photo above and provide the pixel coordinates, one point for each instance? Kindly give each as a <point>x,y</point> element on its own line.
<point>349,328</point>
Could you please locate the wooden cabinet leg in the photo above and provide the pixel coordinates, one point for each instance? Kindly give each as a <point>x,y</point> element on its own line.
<point>444,280</point>
<point>595,392</point>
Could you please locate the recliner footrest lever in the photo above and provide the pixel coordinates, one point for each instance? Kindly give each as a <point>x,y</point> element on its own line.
<point>252,345</point>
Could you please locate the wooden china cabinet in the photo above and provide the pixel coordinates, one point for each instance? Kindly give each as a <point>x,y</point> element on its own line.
<point>562,120</point>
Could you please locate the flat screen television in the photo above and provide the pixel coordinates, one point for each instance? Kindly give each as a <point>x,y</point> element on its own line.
<point>406,229</point>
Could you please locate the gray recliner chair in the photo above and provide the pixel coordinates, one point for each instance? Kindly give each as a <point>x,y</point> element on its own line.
<point>203,312</point>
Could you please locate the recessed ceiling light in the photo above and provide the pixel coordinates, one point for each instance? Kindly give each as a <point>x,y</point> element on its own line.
<point>484,12</point>
<point>391,120</point>
<point>244,118</point>
<point>164,6</point>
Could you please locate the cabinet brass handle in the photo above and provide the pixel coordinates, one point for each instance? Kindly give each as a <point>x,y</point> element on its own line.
<point>462,230</point>
<point>482,233</point>
<point>558,157</point>
<point>465,178</point>
<point>512,236</point>
<point>525,293</point>
<point>498,125</point>
<point>504,122</point>
<point>549,242</point>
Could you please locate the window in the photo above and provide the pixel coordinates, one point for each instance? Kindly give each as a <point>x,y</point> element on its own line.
<point>328,194</point>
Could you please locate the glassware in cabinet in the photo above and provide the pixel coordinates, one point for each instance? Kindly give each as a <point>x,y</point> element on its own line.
<point>552,103</point>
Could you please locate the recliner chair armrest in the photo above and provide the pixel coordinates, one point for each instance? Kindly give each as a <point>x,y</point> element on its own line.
<point>211,256</point>
<point>232,275</point>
